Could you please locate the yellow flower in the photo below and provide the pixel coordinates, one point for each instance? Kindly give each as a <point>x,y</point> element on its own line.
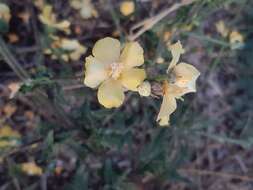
<point>86,8</point>
<point>5,12</point>
<point>14,88</point>
<point>222,29</point>
<point>31,168</point>
<point>49,18</point>
<point>236,37</point>
<point>39,4</point>
<point>127,8</point>
<point>236,40</point>
<point>167,36</point>
<point>8,137</point>
<point>74,49</point>
<point>160,60</point>
<point>113,72</point>
<point>183,78</point>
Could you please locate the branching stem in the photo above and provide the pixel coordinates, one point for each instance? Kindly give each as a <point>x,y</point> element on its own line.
<point>147,24</point>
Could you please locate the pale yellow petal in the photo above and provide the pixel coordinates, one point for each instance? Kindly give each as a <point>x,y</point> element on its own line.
<point>168,106</point>
<point>68,44</point>
<point>76,4</point>
<point>111,94</point>
<point>132,78</point>
<point>63,25</point>
<point>236,37</point>
<point>107,50</point>
<point>176,91</point>
<point>76,55</point>
<point>5,12</point>
<point>8,132</point>
<point>222,29</point>
<point>47,51</point>
<point>132,55</point>
<point>186,76</point>
<point>176,51</point>
<point>39,4</point>
<point>31,168</point>
<point>86,8</point>
<point>95,72</point>
<point>160,60</point>
<point>86,12</point>
<point>127,7</point>
<point>74,46</point>
<point>47,16</point>
<point>164,121</point>
<point>47,11</point>
<point>65,57</point>
<point>14,88</point>
<point>44,20</point>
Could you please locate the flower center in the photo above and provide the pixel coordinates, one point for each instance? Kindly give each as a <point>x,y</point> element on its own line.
<point>115,70</point>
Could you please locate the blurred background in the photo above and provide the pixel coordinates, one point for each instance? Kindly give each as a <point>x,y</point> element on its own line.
<point>55,135</point>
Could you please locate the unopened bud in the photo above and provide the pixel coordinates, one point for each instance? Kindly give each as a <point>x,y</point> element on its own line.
<point>144,89</point>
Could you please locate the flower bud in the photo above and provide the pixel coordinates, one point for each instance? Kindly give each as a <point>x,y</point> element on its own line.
<point>144,89</point>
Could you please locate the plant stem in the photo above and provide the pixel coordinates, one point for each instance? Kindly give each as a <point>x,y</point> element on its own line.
<point>12,62</point>
<point>40,98</point>
<point>147,24</point>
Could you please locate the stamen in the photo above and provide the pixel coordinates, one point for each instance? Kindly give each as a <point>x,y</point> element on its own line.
<point>115,70</point>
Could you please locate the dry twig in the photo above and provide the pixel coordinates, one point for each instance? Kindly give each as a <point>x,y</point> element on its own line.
<point>217,174</point>
<point>147,24</point>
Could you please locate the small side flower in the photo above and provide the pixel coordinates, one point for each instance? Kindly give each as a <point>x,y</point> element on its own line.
<point>182,80</point>
<point>48,18</point>
<point>31,168</point>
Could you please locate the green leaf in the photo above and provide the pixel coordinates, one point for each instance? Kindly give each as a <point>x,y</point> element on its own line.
<point>108,172</point>
<point>48,145</point>
<point>4,27</point>
<point>80,180</point>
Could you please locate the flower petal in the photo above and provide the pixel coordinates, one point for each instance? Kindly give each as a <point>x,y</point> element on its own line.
<point>47,12</point>
<point>5,12</point>
<point>74,46</point>
<point>176,50</point>
<point>132,78</point>
<point>127,8</point>
<point>76,55</point>
<point>76,4</point>
<point>107,50</point>
<point>132,55</point>
<point>63,26</point>
<point>186,76</point>
<point>68,44</point>
<point>235,37</point>
<point>95,73</point>
<point>48,18</point>
<point>222,28</point>
<point>111,94</point>
<point>8,137</point>
<point>168,106</point>
<point>31,168</point>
